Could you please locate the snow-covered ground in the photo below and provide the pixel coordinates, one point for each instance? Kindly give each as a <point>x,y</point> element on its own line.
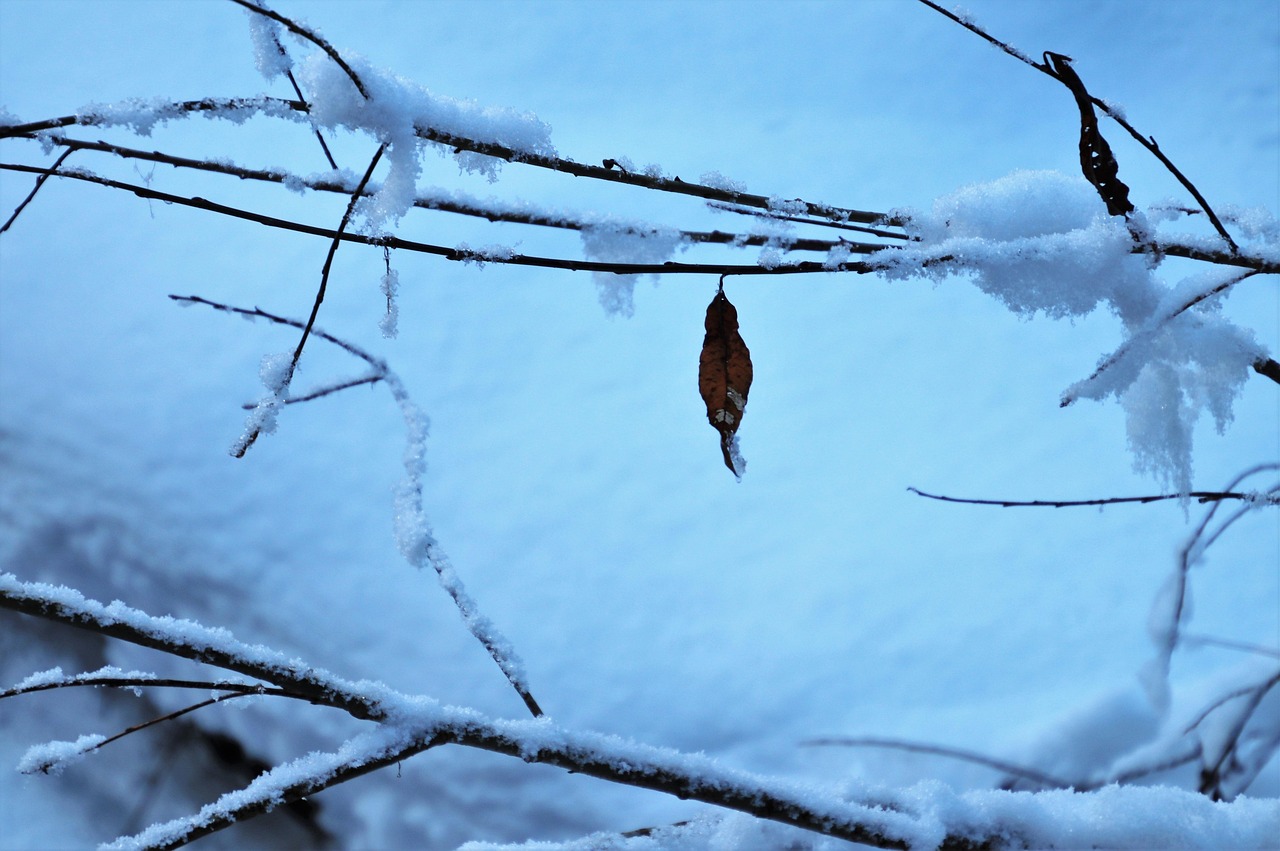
<point>571,474</point>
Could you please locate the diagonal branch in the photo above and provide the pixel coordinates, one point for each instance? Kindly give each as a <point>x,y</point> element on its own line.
<point>1147,142</point>
<point>50,171</point>
<point>242,446</point>
<point>413,724</point>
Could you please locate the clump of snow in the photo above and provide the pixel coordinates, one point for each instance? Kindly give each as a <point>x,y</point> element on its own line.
<point>268,56</point>
<point>793,207</point>
<point>770,257</point>
<point>836,257</point>
<point>716,180</point>
<point>609,240</point>
<point>395,111</point>
<point>390,286</point>
<point>1042,242</point>
<point>484,253</point>
<point>52,757</point>
<point>276,372</point>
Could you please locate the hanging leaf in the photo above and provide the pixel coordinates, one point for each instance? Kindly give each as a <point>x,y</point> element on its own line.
<point>1096,160</point>
<point>724,377</point>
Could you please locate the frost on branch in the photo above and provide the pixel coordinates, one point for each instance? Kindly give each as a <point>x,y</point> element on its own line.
<point>268,55</point>
<point>1042,242</point>
<point>52,757</point>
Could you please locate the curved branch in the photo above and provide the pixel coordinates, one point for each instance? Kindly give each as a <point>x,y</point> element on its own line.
<point>1032,774</point>
<point>310,36</point>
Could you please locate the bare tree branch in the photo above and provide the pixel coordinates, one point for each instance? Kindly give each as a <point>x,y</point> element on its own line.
<point>429,725</point>
<point>1147,142</point>
<point>310,36</point>
<point>1199,496</point>
<point>34,189</point>
<point>1032,774</point>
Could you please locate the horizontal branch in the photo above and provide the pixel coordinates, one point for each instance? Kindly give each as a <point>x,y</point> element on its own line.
<point>457,254</point>
<point>1199,496</point>
<point>134,682</point>
<point>448,205</point>
<point>280,106</point>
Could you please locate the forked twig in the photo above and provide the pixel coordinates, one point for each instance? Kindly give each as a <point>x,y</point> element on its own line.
<point>248,440</point>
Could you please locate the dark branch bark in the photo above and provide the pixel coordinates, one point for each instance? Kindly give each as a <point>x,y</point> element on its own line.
<point>669,268</point>
<point>50,171</point>
<point>1199,496</point>
<point>1147,142</point>
<point>450,206</point>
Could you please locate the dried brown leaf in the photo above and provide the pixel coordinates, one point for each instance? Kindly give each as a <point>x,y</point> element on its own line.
<point>724,377</point>
<point>1096,160</point>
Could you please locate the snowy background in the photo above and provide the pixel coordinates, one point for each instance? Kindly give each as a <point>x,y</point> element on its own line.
<point>573,478</point>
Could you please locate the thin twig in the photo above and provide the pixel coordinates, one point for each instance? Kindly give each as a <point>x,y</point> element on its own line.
<point>503,656</point>
<point>249,439</point>
<point>447,205</point>
<point>148,682</point>
<point>310,36</point>
<point>1200,496</point>
<point>1147,142</point>
<point>1245,647</point>
<point>941,750</point>
<point>323,391</point>
<point>1150,331</point>
<point>166,717</point>
<point>826,212</point>
<point>34,189</point>
<point>462,254</point>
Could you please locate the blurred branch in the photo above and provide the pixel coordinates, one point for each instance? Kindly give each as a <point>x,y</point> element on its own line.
<point>1032,774</point>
